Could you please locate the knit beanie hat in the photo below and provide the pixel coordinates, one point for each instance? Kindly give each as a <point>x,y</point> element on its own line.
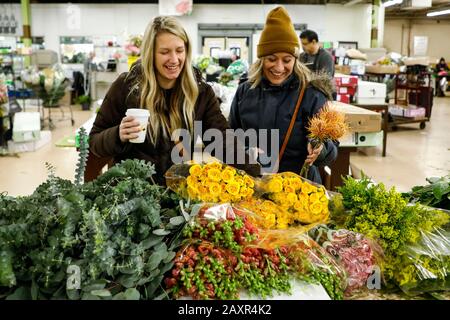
<point>278,35</point>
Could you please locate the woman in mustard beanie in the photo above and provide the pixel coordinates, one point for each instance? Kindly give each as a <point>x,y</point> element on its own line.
<point>279,87</point>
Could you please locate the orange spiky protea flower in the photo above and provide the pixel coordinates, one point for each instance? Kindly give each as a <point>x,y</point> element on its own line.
<point>328,124</point>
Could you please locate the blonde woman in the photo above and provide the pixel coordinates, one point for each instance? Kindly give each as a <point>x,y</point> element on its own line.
<point>269,98</point>
<point>163,82</point>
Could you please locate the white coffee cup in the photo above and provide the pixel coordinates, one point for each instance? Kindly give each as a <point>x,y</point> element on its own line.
<point>140,115</point>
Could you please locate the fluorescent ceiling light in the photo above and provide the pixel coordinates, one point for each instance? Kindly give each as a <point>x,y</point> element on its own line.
<point>392,3</point>
<point>438,13</point>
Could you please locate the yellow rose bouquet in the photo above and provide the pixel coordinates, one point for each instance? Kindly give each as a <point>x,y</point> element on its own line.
<point>307,202</point>
<point>212,182</point>
<point>266,214</point>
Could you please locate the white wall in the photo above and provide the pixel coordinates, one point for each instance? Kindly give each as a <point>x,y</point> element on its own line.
<point>332,22</point>
<point>437,33</point>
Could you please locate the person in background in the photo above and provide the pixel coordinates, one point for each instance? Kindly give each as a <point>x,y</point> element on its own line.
<point>164,82</point>
<point>442,74</point>
<point>268,99</point>
<point>315,58</point>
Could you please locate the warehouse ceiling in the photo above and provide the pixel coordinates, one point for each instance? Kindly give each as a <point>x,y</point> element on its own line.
<point>403,11</point>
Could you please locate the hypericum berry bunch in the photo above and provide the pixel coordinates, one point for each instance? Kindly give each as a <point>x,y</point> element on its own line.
<point>261,271</point>
<point>230,233</point>
<point>204,271</point>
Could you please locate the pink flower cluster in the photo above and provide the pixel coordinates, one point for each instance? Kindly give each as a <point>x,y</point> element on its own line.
<point>356,255</point>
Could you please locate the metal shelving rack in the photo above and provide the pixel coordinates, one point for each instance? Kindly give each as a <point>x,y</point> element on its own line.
<point>413,85</point>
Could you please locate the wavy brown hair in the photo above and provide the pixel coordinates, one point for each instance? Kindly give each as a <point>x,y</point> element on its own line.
<point>166,116</point>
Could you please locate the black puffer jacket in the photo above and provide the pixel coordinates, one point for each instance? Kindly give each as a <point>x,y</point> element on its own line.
<point>271,107</point>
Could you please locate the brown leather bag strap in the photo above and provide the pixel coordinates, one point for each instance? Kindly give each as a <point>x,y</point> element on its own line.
<point>291,125</point>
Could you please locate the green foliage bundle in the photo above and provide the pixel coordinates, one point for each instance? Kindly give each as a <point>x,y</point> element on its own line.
<point>112,238</point>
<point>435,194</point>
<point>411,235</point>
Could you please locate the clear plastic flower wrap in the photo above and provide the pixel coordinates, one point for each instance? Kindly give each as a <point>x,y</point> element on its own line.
<point>212,182</point>
<point>219,258</point>
<point>266,214</point>
<point>306,259</point>
<point>359,256</point>
<point>305,200</point>
<point>424,265</point>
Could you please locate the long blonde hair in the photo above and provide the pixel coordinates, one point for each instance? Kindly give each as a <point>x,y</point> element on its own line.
<point>255,73</point>
<point>167,116</point>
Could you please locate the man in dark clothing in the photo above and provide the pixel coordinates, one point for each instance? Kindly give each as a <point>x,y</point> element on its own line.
<point>315,58</point>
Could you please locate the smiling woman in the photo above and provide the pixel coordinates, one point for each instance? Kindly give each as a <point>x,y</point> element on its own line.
<point>282,94</point>
<point>163,82</point>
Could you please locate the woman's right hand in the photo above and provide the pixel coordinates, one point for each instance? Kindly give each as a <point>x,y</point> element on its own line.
<point>128,129</point>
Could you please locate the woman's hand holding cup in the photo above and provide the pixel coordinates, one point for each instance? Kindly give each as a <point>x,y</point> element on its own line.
<point>133,127</point>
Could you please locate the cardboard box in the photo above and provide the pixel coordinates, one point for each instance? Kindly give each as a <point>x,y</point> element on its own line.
<point>345,81</point>
<point>362,139</point>
<point>342,69</point>
<point>29,146</point>
<point>382,69</point>
<point>346,90</point>
<point>357,67</point>
<point>26,126</point>
<point>345,98</point>
<point>371,92</point>
<point>407,112</point>
<point>359,119</point>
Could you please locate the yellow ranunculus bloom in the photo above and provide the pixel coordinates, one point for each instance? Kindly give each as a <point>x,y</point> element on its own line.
<point>227,175</point>
<point>215,189</point>
<point>316,208</point>
<point>249,181</point>
<point>298,205</point>
<point>296,183</point>
<point>225,197</point>
<point>239,180</point>
<point>233,188</point>
<point>195,170</point>
<point>214,165</point>
<point>324,199</point>
<point>291,198</point>
<point>313,197</point>
<point>223,187</point>
<point>289,189</point>
<point>269,221</point>
<point>192,191</point>
<point>214,174</point>
<point>307,188</point>
<point>250,192</point>
<point>191,181</point>
<point>275,185</point>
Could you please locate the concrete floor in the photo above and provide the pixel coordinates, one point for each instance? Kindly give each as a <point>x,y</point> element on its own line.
<point>412,155</point>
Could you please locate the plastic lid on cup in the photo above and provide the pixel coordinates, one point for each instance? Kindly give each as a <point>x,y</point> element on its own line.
<point>138,112</point>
